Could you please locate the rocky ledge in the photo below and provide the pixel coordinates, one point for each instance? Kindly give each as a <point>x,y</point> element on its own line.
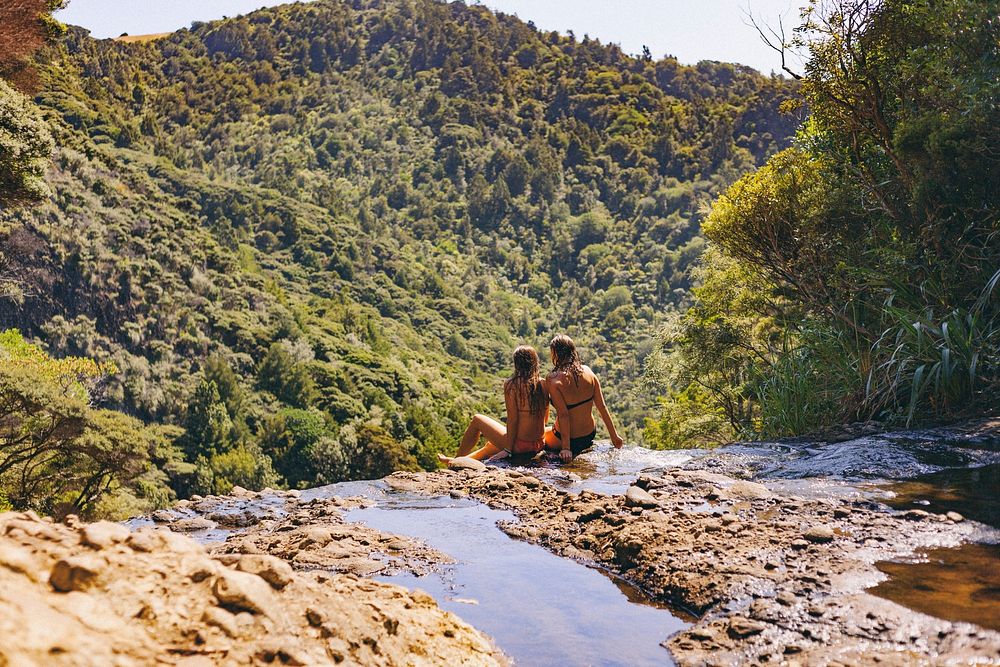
<point>97,594</point>
<point>772,579</point>
<point>310,535</point>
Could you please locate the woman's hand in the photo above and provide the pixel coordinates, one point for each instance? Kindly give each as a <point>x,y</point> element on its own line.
<point>566,455</point>
<point>617,441</point>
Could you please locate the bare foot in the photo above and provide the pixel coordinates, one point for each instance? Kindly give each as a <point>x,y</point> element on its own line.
<point>446,460</point>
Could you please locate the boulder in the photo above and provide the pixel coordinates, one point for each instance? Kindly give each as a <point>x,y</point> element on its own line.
<point>193,524</point>
<point>636,497</point>
<point>243,591</point>
<point>466,463</point>
<point>18,559</point>
<point>74,573</point>
<point>145,540</point>
<point>744,490</point>
<point>223,620</point>
<point>273,570</point>
<point>740,627</point>
<point>819,534</point>
<point>103,534</point>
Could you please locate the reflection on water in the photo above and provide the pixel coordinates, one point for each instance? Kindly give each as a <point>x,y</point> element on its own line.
<point>972,492</point>
<point>961,584</point>
<point>542,609</point>
<point>603,468</point>
<point>539,608</point>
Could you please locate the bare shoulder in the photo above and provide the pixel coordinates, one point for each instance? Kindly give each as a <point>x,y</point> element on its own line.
<point>555,380</point>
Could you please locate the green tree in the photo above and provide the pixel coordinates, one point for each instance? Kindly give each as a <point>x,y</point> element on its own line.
<point>59,455</point>
<point>289,438</point>
<point>286,378</point>
<point>25,149</point>
<point>208,425</point>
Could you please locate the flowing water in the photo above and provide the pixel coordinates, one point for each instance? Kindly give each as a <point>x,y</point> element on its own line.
<point>935,470</point>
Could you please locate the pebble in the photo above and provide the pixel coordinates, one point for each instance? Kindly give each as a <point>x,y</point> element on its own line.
<point>955,516</point>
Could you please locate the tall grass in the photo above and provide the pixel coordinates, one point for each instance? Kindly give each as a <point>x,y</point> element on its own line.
<point>811,387</point>
<point>926,365</point>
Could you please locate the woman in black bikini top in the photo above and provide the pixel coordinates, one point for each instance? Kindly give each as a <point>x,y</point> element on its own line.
<point>574,429</point>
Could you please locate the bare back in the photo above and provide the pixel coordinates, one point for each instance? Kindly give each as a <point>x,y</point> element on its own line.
<point>521,421</point>
<point>579,394</point>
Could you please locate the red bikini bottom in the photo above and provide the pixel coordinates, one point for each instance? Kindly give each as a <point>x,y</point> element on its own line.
<point>527,446</point>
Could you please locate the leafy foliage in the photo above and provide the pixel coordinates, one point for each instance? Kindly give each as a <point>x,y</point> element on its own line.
<point>312,235</point>
<point>854,276</point>
<point>58,454</point>
<point>25,147</point>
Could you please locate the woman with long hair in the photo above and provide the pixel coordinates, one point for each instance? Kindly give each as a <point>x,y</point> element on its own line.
<point>527,411</point>
<point>575,391</point>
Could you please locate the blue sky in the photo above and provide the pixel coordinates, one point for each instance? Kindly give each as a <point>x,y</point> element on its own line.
<point>691,30</point>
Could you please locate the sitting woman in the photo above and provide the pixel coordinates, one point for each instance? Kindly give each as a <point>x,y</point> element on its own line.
<point>575,391</point>
<point>527,412</point>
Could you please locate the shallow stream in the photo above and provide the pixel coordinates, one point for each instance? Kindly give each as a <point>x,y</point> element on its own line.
<point>543,609</point>
<point>539,608</point>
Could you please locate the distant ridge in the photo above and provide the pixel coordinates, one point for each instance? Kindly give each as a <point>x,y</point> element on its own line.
<point>129,39</point>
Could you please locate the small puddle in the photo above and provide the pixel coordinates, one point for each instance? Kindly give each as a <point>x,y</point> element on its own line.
<point>540,609</point>
<point>972,492</point>
<point>960,584</point>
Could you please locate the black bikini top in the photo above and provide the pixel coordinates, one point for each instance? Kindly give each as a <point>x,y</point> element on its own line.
<point>570,406</point>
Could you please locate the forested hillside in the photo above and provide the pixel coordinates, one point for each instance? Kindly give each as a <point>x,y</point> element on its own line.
<point>310,237</point>
<point>855,276</point>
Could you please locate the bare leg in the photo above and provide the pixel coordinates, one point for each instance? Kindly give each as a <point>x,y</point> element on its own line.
<point>481,425</point>
<point>550,439</point>
<point>485,452</point>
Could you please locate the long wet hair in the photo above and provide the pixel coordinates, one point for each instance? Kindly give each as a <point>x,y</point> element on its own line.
<point>525,383</point>
<point>565,358</point>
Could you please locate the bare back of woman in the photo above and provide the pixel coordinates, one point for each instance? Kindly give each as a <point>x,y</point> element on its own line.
<point>575,391</point>
<point>526,400</point>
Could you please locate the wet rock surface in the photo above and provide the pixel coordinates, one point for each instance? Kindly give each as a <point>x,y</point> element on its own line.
<point>95,594</point>
<point>773,578</point>
<point>313,535</point>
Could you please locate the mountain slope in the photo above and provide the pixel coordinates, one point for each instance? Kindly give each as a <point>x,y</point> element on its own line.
<point>317,231</point>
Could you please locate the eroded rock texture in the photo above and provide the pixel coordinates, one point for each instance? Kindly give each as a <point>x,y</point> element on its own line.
<point>97,594</point>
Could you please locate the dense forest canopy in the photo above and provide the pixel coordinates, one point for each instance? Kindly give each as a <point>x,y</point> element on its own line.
<point>855,276</point>
<point>308,238</point>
